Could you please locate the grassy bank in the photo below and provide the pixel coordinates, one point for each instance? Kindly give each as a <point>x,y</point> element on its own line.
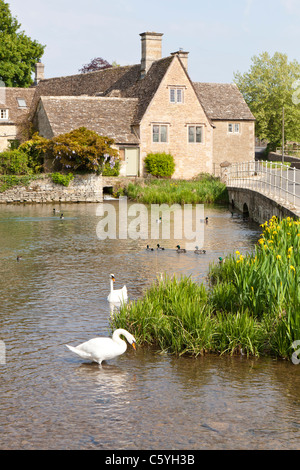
<point>252,305</point>
<point>205,189</point>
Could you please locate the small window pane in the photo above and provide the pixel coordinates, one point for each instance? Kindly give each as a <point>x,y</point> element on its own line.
<point>230,128</point>
<point>191,134</point>
<point>21,103</point>
<point>163,133</point>
<point>172,95</point>
<point>179,95</point>
<point>237,128</point>
<point>155,133</point>
<point>198,134</point>
<point>3,114</point>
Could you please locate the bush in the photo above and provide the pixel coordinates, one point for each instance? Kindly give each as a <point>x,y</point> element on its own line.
<point>58,178</point>
<point>14,162</point>
<point>160,164</point>
<point>111,168</point>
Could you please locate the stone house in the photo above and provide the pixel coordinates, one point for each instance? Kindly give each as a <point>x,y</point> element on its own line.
<point>14,106</point>
<point>153,106</point>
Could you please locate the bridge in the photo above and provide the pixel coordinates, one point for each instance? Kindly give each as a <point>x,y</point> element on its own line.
<point>261,189</point>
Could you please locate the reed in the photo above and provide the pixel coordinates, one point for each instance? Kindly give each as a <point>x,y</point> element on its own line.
<point>204,189</point>
<point>252,305</point>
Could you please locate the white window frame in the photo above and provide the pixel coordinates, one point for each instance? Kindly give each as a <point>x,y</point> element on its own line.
<point>3,114</point>
<point>176,95</point>
<point>160,133</point>
<point>234,128</point>
<point>195,127</point>
<point>21,103</point>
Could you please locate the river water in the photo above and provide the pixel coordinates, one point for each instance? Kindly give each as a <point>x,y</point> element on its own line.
<point>52,399</point>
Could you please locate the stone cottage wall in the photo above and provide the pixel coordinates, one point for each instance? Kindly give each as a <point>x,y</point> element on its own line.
<point>83,188</point>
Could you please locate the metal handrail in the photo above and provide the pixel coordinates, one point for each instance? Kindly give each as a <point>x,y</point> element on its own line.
<point>274,179</point>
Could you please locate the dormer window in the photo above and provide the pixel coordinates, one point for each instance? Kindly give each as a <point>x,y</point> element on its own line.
<point>3,114</point>
<point>21,103</point>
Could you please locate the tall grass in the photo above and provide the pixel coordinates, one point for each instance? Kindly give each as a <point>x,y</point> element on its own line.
<point>252,305</point>
<point>204,189</point>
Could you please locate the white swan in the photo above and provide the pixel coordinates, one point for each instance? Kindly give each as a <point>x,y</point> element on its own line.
<point>103,349</point>
<point>118,295</point>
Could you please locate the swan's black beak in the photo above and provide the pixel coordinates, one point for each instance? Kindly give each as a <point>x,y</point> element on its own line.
<point>134,346</point>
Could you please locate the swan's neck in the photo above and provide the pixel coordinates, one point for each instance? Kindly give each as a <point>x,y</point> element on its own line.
<point>116,336</point>
<point>111,285</point>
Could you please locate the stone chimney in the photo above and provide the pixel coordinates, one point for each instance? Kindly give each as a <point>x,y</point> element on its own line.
<point>39,72</point>
<point>183,56</point>
<point>151,50</point>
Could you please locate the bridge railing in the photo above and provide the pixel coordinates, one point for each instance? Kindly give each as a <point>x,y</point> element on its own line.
<point>273,179</point>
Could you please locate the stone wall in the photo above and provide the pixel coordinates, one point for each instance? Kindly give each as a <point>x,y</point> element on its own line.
<point>83,188</point>
<point>233,147</point>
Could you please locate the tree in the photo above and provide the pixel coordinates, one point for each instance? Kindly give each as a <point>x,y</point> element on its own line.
<point>268,87</point>
<point>78,150</point>
<point>18,52</point>
<point>96,64</point>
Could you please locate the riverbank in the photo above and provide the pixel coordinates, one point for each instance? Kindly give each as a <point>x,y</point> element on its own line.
<point>251,307</point>
<point>205,189</point>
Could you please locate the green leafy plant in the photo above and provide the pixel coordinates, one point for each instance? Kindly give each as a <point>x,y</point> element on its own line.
<point>14,162</point>
<point>58,178</point>
<point>161,165</point>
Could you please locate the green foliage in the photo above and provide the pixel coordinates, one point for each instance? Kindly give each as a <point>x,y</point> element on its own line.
<point>252,305</point>
<point>204,189</point>
<point>79,150</point>
<point>160,164</point>
<point>18,52</point>
<point>14,162</point>
<point>267,88</point>
<point>9,181</point>
<point>35,150</point>
<point>109,170</point>
<point>58,178</point>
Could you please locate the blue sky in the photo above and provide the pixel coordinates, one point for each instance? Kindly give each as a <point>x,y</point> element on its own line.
<point>221,36</point>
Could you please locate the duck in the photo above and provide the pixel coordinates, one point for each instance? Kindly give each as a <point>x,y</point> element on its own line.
<point>199,252</point>
<point>104,348</point>
<point>221,260</point>
<point>19,258</point>
<point>149,249</point>
<point>61,216</point>
<point>118,295</point>
<point>159,247</point>
<point>180,250</point>
<point>158,221</point>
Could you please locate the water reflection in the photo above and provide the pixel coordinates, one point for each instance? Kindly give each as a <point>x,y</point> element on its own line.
<point>57,294</point>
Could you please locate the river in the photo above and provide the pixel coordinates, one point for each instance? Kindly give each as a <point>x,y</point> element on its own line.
<point>56,294</point>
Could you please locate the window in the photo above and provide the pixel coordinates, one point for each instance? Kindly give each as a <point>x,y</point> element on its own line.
<point>159,133</point>
<point>3,113</point>
<point>21,103</point>
<point>195,134</point>
<point>234,128</point>
<point>176,95</point>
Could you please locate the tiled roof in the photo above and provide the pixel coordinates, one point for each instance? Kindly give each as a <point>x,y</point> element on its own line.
<point>9,100</point>
<point>122,82</point>
<point>106,116</point>
<point>223,101</point>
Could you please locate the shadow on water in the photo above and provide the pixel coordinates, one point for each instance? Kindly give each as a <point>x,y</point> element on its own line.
<point>56,295</point>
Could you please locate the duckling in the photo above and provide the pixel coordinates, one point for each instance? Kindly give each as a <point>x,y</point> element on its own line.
<point>199,252</point>
<point>159,247</point>
<point>149,249</point>
<point>180,250</point>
